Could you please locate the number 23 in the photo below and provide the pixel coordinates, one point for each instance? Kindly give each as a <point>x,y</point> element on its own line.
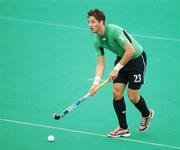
<point>137,78</point>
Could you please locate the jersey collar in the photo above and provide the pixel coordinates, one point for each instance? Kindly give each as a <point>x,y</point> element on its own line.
<point>103,37</point>
<point>106,31</point>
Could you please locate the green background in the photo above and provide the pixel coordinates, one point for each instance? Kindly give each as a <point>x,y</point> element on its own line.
<point>47,61</point>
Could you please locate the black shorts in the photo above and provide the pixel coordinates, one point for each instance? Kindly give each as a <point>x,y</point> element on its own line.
<point>133,72</point>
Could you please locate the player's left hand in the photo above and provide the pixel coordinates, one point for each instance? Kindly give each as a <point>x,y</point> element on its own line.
<point>92,90</point>
<point>113,75</point>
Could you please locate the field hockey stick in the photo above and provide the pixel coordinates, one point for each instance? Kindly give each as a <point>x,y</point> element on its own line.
<point>57,116</point>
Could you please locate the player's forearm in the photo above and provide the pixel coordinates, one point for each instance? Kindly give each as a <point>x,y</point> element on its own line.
<point>100,66</point>
<point>99,74</point>
<point>99,70</point>
<point>129,52</point>
<point>126,57</point>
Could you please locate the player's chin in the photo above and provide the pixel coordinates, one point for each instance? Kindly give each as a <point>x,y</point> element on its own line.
<point>92,30</point>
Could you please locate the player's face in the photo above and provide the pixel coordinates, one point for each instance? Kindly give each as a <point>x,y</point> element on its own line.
<point>94,24</point>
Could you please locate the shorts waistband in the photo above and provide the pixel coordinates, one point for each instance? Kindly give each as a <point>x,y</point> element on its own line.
<point>143,53</point>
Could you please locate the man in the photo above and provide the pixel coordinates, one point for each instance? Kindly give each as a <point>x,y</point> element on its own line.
<point>128,70</point>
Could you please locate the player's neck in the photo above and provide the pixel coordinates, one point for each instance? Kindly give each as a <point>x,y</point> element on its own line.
<point>101,30</point>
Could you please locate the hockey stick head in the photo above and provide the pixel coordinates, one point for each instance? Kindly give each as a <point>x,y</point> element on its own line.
<point>56,116</point>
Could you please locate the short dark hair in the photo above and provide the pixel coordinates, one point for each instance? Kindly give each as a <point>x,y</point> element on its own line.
<point>98,14</point>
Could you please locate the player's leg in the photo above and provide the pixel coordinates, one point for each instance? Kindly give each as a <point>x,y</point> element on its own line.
<point>136,79</point>
<point>139,102</point>
<point>119,85</point>
<point>120,109</point>
<point>119,104</point>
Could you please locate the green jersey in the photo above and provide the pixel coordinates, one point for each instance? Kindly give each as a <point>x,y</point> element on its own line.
<point>114,39</point>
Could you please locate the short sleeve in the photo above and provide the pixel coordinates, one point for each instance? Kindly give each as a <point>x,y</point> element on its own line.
<point>120,38</point>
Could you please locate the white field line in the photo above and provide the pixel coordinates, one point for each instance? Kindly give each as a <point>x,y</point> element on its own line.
<point>88,133</point>
<point>82,28</point>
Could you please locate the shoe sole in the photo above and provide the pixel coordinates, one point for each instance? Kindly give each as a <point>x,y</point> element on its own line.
<point>124,135</point>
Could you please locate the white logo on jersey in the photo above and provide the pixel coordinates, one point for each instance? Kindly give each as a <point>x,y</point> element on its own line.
<point>121,37</point>
<point>104,38</point>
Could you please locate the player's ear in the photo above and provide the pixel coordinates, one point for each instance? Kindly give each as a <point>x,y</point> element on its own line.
<point>101,22</point>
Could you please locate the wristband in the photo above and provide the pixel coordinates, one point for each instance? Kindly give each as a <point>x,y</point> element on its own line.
<point>97,80</point>
<point>118,67</point>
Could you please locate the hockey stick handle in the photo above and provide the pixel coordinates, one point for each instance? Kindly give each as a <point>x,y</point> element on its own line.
<point>102,84</point>
<point>57,116</point>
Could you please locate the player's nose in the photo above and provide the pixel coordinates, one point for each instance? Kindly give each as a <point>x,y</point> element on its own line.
<point>90,24</point>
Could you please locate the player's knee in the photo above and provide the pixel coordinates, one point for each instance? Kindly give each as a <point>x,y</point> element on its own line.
<point>117,94</point>
<point>134,97</point>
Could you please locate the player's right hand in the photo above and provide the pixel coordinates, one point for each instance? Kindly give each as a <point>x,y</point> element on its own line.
<point>92,90</point>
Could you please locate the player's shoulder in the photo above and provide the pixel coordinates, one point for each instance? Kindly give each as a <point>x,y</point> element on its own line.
<point>114,30</point>
<point>113,27</point>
